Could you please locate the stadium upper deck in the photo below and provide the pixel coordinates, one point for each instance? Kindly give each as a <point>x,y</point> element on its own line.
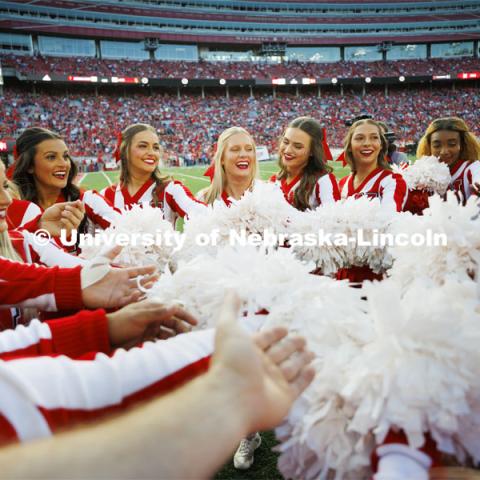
<point>248,22</point>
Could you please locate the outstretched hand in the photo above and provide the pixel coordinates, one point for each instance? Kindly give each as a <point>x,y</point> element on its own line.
<point>147,320</point>
<point>115,287</point>
<point>269,371</point>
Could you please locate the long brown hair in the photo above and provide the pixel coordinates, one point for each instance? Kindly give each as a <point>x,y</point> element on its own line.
<point>316,166</point>
<point>26,146</point>
<point>381,160</point>
<point>469,144</point>
<point>125,146</point>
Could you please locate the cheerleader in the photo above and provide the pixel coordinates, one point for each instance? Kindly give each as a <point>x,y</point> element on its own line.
<point>44,174</point>
<point>365,150</point>
<point>138,151</point>
<point>304,178</point>
<point>235,167</point>
<point>453,143</point>
<point>233,172</point>
<point>21,246</point>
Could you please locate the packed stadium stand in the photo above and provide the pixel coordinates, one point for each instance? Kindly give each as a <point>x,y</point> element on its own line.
<point>193,67</point>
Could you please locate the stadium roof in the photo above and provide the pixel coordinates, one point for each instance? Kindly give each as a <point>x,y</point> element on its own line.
<point>248,21</point>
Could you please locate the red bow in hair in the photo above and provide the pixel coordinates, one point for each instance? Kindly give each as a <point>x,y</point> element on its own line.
<point>341,158</point>
<point>210,171</point>
<point>116,153</point>
<point>326,148</point>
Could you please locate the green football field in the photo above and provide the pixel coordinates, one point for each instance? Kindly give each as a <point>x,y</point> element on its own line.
<point>192,177</point>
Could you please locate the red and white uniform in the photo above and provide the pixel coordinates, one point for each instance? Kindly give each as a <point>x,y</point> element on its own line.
<point>46,288</point>
<point>30,251</point>
<point>21,212</point>
<point>224,197</point>
<point>325,190</point>
<point>98,209</point>
<point>464,175</point>
<point>175,200</point>
<point>389,187</point>
<point>59,373</point>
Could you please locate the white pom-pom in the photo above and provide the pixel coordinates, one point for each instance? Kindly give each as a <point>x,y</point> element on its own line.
<point>259,279</point>
<point>428,174</point>
<point>260,209</point>
<point>339,225</point>
<point>148,237</point>
<point>453,228</point>
<point>415,368</point>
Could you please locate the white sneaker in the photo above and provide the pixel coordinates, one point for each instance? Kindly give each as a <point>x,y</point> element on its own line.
<point>243,458</point>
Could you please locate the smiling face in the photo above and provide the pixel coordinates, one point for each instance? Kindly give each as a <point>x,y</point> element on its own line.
<point>295,150</point>
<point>51,165</point>
<point>446,145</point>
<point>5,199</point>
<point>365,145</point>
<point>144,153</point>
<point>239,157</point>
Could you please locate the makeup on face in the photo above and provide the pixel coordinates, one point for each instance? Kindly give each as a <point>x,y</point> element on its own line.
<point>446,145</point>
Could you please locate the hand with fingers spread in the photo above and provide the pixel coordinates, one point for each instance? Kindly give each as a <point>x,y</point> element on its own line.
<point>66,215</point>
<point>269,372</point>
<point>107,287</point>
<point>147,320</point>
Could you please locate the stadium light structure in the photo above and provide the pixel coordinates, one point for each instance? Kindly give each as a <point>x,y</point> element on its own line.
<point>334,81</point>
<point>184,81</point>
<point>401,78</point>
<point>368,80</point>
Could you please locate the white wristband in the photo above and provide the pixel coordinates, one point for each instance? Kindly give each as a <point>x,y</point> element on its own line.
<point>399,462</point>
<point>94,271</point>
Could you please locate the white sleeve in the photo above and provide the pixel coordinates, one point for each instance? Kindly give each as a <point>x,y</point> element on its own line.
<point>471,177</point>
<point>32,387</point>
<point>393,190</point>
<point>326,189</point>
<point>51,254</point>
<point>182,202</point>
<point>99,209</point>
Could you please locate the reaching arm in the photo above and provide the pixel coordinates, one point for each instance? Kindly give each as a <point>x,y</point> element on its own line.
<point>190,433</point>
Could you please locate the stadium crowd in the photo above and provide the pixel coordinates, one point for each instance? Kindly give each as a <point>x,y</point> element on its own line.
<point>178,69</point>
<point>189,125</point>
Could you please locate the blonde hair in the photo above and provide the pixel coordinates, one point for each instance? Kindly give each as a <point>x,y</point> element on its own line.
<point>125,145</point>
<point>219,180</point>
<point>381,159</point>
<point>14,191</point>
<point>469,144</point>
<point>6,248</point>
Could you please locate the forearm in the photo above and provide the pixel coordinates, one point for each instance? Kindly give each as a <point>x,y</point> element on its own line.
<point>188,434</point>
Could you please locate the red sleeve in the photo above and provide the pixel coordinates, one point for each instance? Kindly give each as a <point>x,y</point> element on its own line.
<point>35,286</point>
<point>73,336</point>
<point>32,225</point>
<point>335,188</point>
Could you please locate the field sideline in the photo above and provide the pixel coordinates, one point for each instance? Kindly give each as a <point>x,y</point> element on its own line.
<point>192,177</point>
